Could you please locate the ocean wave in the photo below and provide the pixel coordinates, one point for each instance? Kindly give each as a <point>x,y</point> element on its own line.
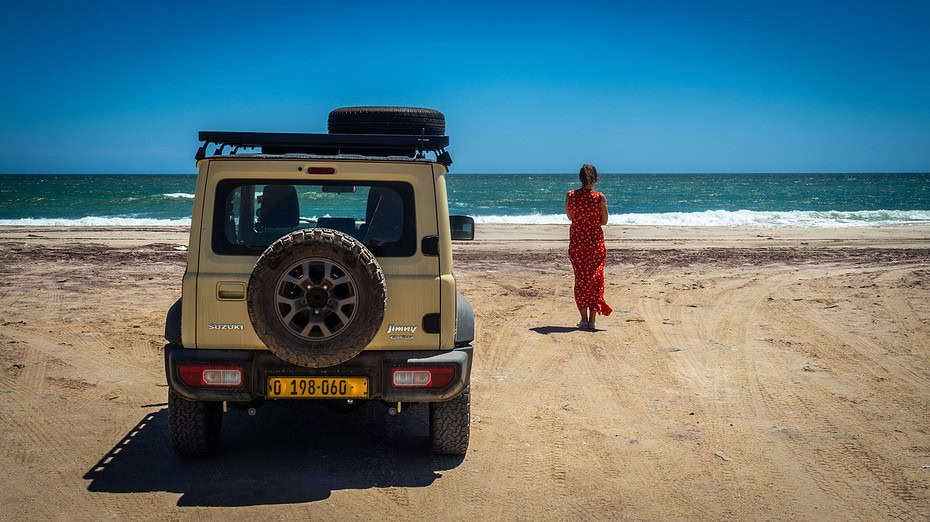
<point>178,195</point>
<point>739,218</point>
<point>707,218</point>
<point>96,221</point>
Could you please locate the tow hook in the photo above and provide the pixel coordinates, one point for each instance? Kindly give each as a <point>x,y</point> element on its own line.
<point>394,410</point>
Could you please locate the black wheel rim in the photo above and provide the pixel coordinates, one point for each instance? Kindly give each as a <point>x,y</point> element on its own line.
<point>316,298</point>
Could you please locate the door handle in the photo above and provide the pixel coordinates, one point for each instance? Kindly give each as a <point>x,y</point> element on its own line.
<point>230,291</point>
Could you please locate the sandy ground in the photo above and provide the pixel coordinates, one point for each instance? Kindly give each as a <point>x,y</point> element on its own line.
<point>761,374</point>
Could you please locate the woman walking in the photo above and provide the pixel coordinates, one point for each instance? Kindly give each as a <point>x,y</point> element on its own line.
<point>587,210</point>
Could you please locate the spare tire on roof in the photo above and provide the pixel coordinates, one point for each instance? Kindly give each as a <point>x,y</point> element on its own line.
<point>387,120</point>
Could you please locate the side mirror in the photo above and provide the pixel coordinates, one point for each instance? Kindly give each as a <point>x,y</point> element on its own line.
<point>463,228</point>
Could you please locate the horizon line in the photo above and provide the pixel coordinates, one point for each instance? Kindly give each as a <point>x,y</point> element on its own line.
<point>629,173</point>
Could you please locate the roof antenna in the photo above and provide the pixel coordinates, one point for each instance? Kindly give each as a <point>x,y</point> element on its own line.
<point>420,153</point>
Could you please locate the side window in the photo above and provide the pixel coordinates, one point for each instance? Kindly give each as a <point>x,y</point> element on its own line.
<point>250,216</point>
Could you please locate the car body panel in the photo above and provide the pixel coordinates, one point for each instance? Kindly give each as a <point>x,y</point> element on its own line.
<point>416,286</point>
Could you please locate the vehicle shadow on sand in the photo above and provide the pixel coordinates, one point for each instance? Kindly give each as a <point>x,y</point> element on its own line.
<point>287,453</point>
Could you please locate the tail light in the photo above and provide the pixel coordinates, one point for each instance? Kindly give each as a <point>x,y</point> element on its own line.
<point>211,376</point>
<point>422,376</point>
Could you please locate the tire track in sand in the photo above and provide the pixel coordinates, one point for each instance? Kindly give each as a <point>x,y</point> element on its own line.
<point>835,460</point>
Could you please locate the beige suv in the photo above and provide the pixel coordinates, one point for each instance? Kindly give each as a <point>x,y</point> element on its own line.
<point>321,268</point>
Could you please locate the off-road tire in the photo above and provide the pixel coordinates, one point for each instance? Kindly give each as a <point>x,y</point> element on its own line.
<point>387,120</point>
<point>194,426</point>
<point>449,425</point>
<point>328,244</point>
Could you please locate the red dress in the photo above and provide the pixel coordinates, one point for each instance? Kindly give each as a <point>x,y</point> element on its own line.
<point>586,249</point>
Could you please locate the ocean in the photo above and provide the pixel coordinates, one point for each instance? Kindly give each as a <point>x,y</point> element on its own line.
<point>736,200</point>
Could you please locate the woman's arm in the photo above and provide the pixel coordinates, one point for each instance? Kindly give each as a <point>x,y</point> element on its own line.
<point>568,211</point>
<point>603,210</point>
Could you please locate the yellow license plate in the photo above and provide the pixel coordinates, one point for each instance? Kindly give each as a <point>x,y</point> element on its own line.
<point>317,387</point>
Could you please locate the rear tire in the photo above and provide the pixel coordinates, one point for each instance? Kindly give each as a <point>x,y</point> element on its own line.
<point>194,426</point>
<point>450,424</point>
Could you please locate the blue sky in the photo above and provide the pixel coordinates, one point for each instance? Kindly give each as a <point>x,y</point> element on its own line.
<point>536,87</point>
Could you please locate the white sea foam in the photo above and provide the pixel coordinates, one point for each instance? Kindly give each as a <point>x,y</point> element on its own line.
<point>741,218</point>
<point>96,221</point>
<point>530,219</point>
<point>178,195</point>
<point>707,218</point>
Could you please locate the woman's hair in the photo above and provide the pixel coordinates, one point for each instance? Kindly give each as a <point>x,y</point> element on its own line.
<point>587,174</point>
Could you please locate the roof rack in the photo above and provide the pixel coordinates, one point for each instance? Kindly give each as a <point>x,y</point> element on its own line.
<point>411,145</point>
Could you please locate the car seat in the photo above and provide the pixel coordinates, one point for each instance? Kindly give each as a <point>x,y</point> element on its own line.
<point>384,216</point>
<point>346,225</point>
<point>280,208</point>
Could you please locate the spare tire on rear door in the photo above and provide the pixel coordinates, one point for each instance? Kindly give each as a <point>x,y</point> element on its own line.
<point>316,297</point>
<point>387,120</point>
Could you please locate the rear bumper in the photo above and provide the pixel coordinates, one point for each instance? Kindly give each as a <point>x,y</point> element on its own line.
<point>257,366</point>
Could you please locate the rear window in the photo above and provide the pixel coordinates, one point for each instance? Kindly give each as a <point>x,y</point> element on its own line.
<point>250,215</point>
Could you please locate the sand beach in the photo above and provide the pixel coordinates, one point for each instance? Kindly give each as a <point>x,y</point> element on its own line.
<point>767,373</point>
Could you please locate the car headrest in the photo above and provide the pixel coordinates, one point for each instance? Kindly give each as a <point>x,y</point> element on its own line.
<point>385,214</point>
<point>280,208</point>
